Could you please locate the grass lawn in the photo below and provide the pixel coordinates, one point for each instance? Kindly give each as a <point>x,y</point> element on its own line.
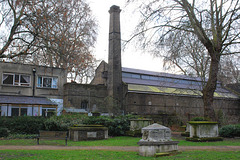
<point>115,141</point>
<point>111,155</point>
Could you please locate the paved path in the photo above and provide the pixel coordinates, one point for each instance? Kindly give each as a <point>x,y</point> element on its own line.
<point>115,148</point>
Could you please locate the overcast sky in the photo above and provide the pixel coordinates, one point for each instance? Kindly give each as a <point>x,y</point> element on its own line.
<point>131,56</point>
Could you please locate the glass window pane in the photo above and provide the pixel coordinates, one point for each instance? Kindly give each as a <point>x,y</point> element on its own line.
<point>25,80</point>
<point>153,78</point>
<point>16,79</point>
<point>44,112</point>
<point>7,79</point>
<point>84,104</point>
<point>127,75</point>
<point>136,76</point>
<point>39,82</point>
<point>23,111</point>
<point>145,77</point>
<point>47,82</point>
<point>54,82</point>
<point>15,111</point>
<point>50,112</point>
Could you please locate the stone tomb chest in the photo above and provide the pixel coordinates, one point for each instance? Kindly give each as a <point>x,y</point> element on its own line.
<point>202,129</point>
<point>156,139</point>
<point>88,132</point>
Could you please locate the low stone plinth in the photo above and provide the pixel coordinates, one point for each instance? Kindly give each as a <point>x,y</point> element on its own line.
<point>203,129</point>
<point>156,139</point>
<point>88,132</point>
<point>136,125</point>
<point>149,149</point>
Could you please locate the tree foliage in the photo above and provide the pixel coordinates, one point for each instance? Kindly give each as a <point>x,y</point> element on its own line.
<point>173,28</point>
<point>57,33</point>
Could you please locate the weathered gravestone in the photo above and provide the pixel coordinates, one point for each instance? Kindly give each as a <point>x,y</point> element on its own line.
<point>203,131</point>
<point>88,132</point>
<point>156,139</point>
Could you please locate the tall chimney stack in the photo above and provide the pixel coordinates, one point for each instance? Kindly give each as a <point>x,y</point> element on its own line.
<point>114,81</point>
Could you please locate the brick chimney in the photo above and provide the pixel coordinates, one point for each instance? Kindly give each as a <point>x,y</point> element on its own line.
<point>114,81</point>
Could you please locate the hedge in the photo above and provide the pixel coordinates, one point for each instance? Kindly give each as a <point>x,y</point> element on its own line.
<point>230,131</point>
<point>117,126</point>
<point>23,124</point>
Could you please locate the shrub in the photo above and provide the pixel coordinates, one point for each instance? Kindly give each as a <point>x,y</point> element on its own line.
<point>117,126</point>
<point>3,132</point>
<point>230,131</point>
<point>199,119</point>
<point>63,122</point>
<point>23,125</point>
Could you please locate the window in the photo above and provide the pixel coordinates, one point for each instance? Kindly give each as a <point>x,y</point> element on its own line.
<point>23,111</point>
<point>84,104</point>
<point>16,110</point>
<point>16,79</point>
<point>127,75</point>
<point>47,82</point>
<point>145,77</point>
<point>46,112</point>
<point>136,76</point>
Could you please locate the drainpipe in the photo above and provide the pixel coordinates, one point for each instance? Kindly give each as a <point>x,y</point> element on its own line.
<point>34,75</point>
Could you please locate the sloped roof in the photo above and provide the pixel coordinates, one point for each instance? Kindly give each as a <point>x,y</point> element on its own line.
<point>175,91</point>
<point>159,74</point>
<point>170,86</point>
<point>25,100</point>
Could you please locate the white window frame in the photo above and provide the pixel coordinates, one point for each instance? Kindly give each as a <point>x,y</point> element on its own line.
<point>52,86</point>
<point>19,76</point>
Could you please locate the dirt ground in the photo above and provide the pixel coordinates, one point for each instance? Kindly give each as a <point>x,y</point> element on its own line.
<point>115,148</point>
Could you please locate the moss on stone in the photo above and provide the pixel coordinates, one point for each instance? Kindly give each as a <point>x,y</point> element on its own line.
<point>161,154</point>
<point>205,139</point>
<point>88,128</point>
<point>201,122</point>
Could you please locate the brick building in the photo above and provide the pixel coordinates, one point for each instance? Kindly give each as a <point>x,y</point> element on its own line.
<point>30,90</point>
<point>117,90</point>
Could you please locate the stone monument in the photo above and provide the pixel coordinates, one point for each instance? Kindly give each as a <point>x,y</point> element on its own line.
<point>156,139</point>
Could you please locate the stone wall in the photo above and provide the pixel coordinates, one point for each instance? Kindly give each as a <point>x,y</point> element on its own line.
<point>183,107</point>
<point>75,94</point>
<point>101,74</point>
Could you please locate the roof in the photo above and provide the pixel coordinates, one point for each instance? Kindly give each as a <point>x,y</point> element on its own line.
<point>25,100</point>
<point>165,83</point>
<point>174,91</point>
<point>234,87</point>
<point>160,74</point>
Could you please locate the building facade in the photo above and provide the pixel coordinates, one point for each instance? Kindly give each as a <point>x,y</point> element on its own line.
<point>31,90</point>
<point>151,94</point>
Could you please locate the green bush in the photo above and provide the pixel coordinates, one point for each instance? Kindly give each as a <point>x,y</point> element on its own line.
<point>3,132</point>
<point>23,125</point>
<point>22,136</point>
<point>199,119</point>
<point>117,126</point>
<point>63,122</point>
<point>230,131</point>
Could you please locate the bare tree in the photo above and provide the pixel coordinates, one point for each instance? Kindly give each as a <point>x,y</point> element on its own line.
<point>16,36</point>
<point>214,23</point>
<point>229,70</point>
<point>64,31</point>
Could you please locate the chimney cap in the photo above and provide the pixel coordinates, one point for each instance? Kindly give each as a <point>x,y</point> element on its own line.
<point>114,8</point>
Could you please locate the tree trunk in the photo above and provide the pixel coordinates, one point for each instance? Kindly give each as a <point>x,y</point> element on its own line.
<point>210,87</point>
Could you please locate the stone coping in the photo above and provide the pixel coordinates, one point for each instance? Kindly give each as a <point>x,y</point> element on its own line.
<point>87,128</point>
<point>201,122</point>
<point>91,125</point>
<point>140,119</point>
<point>144,143</point>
